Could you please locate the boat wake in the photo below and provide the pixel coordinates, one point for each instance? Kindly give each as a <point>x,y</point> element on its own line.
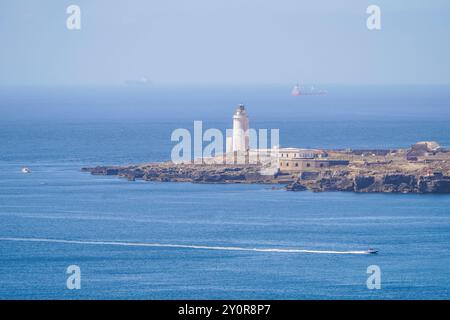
<point>180,246</point>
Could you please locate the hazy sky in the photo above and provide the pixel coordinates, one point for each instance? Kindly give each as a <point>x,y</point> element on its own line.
<point>224,42</point>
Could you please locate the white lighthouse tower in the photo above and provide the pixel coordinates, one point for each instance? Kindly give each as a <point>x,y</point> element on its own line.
<point>240,130</point>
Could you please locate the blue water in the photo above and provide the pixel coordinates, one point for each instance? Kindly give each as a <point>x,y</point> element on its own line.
<point>56,132</point>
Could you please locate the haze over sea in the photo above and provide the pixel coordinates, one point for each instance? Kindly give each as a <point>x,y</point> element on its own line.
<point>56,131</point>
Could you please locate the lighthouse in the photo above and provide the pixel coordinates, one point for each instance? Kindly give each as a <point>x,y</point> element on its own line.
<point>240,130</point>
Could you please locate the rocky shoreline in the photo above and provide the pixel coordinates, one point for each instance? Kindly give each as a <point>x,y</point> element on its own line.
<point>168,172</point>
<point>376,182</point>
<point>393,171</point>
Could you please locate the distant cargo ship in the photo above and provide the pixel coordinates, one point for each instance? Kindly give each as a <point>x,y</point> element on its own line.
<point>296,91</point>
<point>302,91</point>
<point>138,82</point>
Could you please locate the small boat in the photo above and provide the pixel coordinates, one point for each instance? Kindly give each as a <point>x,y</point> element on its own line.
<point>372,251</point>
<point>25,170</point>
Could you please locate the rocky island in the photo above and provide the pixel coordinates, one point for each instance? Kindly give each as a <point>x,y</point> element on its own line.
<point>423,168</point>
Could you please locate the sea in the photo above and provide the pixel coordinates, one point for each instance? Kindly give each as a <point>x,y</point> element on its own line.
<point>152,240</point>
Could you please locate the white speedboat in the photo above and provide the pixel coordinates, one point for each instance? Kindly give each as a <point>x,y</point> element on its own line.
<point>25,170</point>
<point>372,251</point>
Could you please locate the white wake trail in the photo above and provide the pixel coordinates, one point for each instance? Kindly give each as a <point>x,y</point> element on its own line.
<point>180,246</point>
